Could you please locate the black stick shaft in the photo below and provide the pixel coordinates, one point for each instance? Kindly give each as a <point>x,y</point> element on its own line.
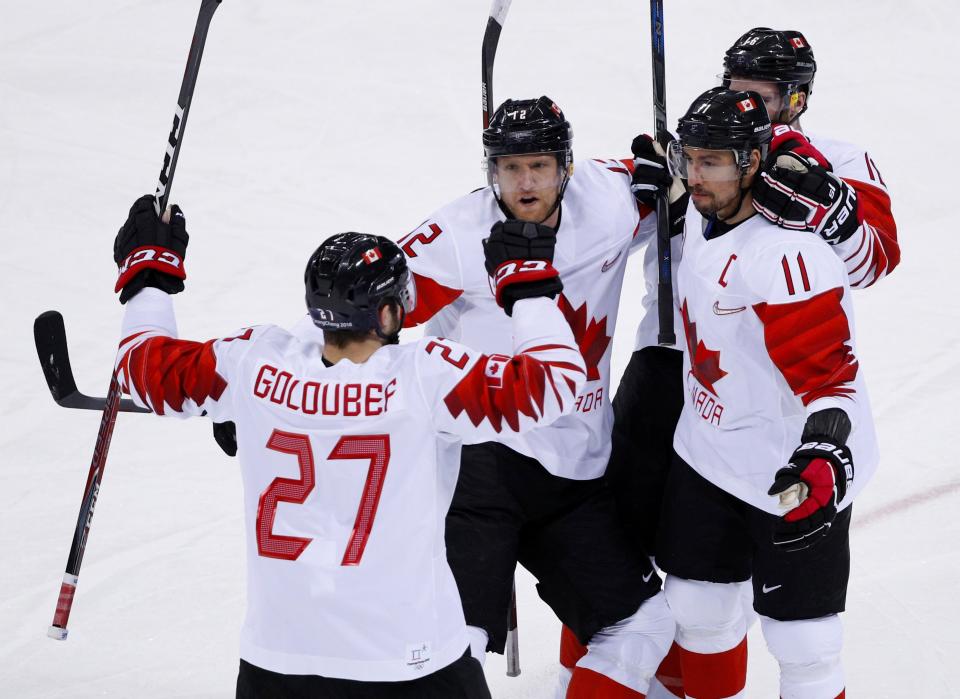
<point>491,38</point>
<point>165,182</point>
<point>81,533</point>
<point>666,336</point>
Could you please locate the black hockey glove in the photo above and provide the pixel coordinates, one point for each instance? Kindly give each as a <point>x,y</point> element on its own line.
<point>518,256</point>
<point>226,435</point>
<point>149,252</point>
<point>651,180</point>
<point>814,482</point>
<point>798,194</point>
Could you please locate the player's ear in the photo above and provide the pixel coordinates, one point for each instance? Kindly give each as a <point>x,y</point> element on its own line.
<point>390,321</point>
<point>754,165</point>
<point>799,103</point>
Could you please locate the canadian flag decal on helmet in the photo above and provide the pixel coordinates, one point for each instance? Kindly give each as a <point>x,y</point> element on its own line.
<point>746,105</point>
<point>372,255</point>
<point>798,42</point>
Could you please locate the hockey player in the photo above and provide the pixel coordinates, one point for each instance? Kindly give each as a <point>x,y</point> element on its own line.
<point>539,499</point>
<point>774,405</point>
<point>349,454</point>
<point>814,183</point>
<point>842,198</point>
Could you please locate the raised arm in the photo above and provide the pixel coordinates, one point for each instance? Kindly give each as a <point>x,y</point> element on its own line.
<point>845,202</point>
<point>159,371</point>
<point>479,396</point>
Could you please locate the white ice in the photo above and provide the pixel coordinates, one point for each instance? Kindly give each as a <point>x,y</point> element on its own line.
<point>317,117</point>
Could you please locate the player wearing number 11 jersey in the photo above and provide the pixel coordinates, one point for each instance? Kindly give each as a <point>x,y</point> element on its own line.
<point>349,456</point>
<point>774,405</point>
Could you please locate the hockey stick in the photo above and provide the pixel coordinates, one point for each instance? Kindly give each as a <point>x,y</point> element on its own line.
<point>512,651</point>
<point>491,39</point>
<point>666,336</point>
<point>50,337</point>
<point>58,629</point>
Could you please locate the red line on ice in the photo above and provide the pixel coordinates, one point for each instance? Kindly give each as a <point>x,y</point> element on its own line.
<point>906,503</point>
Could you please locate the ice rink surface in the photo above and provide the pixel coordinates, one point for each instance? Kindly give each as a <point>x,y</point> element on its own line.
<point>315,117</point>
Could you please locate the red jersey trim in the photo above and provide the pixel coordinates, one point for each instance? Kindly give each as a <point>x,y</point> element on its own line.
<point>808,342</point>
<point>520,390</point>
<point>431,298</point>
<point>167,371</point>
<point>873,207</point>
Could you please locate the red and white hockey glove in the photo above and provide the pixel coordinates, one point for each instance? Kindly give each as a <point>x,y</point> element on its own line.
<point>150,252</point>
<point>787,139</point>
<point>814,481</point>
<point>518,256</point>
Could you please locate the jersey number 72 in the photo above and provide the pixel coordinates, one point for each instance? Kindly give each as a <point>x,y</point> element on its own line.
<point>374,448</point>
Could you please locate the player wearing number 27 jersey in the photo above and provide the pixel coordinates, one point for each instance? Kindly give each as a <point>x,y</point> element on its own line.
<point>348,468</point>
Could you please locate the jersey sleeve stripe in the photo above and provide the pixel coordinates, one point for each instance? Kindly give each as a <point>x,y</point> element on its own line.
<point>520,390</point>
<point>818,362</point>
<point>164,371</point>
<point>873,208</point>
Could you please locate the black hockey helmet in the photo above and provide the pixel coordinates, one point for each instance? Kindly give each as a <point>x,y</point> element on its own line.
<point>523,127</point>
<point>783,57</point>
<point>529,127</point>
<point>351,276</point>
<point>722,119</point>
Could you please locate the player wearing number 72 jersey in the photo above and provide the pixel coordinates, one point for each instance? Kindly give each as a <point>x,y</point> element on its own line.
<point>349,456</point>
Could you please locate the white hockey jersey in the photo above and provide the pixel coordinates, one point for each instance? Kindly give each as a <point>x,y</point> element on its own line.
<point>348,471</point>
<point>599,226</point>
<point>868,255</point>
<point>768,322</point>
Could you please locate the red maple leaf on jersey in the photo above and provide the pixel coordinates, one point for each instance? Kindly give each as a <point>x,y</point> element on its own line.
<point>704,363</point>
<point>592,338</point>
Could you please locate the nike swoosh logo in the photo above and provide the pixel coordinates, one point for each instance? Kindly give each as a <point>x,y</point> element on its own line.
<point>770,589</point>
<point>726,311</point>
<point>609,263</point>
<point>646,578</point>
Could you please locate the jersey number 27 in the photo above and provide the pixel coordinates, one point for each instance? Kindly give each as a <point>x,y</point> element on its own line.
<point>374,448</point>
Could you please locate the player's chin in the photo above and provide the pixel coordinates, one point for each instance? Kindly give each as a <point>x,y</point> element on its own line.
<point>705,204</point>
<point>529,208</point>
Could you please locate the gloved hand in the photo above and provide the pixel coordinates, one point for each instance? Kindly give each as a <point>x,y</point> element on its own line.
<point>651,180</point>
<point>519,257</point>
<point>787,139</point>
<point>225,433</point>
<point>798,194</point>
<point>814,482</point>
<point>150,252</point>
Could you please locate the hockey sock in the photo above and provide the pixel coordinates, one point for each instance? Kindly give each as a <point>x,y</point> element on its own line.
<point>587,684</point>
<point>571,650</point>
<point>715,675</point>
<point>670,673</point>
